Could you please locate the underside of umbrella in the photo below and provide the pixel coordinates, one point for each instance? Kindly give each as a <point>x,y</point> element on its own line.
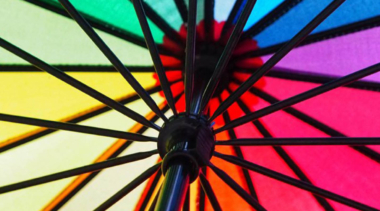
<point>189,105</point>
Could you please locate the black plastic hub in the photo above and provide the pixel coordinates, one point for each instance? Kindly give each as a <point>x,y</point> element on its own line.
<point>186,138</point>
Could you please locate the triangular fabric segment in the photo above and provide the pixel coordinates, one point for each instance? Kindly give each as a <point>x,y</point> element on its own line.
<point>120,14</point>
<point>329,171</point>
<point>57,152</point>
<point>351,111</point>
<point>293,21</point>
<point>168,11</point>
<point>262,8</point>
<point>42,96</point>
<point>339,56</point>
<point>59,40</point>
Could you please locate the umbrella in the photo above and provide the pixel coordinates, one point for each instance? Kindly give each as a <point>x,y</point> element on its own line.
<point>193,105</point>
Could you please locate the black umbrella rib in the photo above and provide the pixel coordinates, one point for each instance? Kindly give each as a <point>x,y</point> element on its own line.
<point>77,171</point>
<point>95,23</point>
<point>86,27</point>
<point>75,128</point>
<point>128,188</point>
<point>209,7</point>
<point>75,83</point>
<point>294,182</point>
<point>239,190</point>
<point>239,153</point>
<point>186,203</point>
<point>226,55</point>
<point>114,155</point>
<point>182,9</point>
<point>209,192</point>
<point>202,194</point>
<point>302,97</point>
<point>269,19</point>
<point>160,22</point>
<point>151,189</point>
<point>320,36</point>
<point>160,70</point>
<point>315,123</point>
<point>277,57</point>
<point>154,202</point>
<point>232,17</point>
<point>292,165</point>
<point>283,154</point>
<point>190,54</point>
<point>357,141</point>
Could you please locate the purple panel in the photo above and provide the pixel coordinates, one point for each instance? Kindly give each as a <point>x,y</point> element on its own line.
<point>338,56</point>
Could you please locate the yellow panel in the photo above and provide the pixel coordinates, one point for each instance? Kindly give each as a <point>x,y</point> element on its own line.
<point>111,180</point>
<point>57,152</point>
<point>41,95</point>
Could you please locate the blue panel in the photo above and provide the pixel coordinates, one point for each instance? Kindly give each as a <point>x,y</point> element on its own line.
<point>262,7</point>
<point>292,22</point>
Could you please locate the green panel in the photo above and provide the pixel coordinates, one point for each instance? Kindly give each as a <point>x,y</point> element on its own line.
<point>168,10</point>
<point>57,39</point>
<point>117,13</point>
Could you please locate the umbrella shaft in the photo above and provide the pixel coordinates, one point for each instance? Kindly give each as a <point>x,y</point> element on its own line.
<point>174,188</point>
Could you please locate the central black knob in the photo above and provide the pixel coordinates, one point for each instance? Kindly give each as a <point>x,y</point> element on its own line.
<point>189,138</point>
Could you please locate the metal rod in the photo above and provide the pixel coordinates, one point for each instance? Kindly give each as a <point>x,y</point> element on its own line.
<point>75,83</point>
<point>128,188</point>
<point>226,55</point>
<point>239,190</point>
<point>77,171</point>
<point>111,57</point>
<point>160,70</point>
<point>174,187</point>
<point>297,183</point>
<point>303,96</point>
<point>277,57</point>
<point>190,54</point>
<point>75,128</point>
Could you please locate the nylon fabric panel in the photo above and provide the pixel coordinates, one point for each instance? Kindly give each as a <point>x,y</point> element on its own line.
<point>40,33</point>
<point>347,110</point>
<point>42,96</point>
<point>339,56</point>
<point>295,19</point>
<point>227,197</point>
<point>351,111</point>
<point>262,8</point>
<point>55,152</point>
<point>167,10</point>
<point>120,14</point>
<point>287,197</point>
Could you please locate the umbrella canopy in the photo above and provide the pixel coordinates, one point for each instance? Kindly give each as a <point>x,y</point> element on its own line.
<point>88,86</point>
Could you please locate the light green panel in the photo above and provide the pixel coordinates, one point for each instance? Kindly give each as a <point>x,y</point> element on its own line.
<point>116,13</point>
<point>57,39</point>
<point>168,10</point>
